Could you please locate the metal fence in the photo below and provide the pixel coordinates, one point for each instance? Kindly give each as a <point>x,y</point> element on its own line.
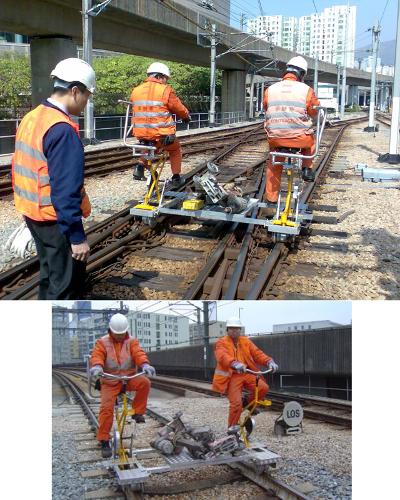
<point>108,128</point>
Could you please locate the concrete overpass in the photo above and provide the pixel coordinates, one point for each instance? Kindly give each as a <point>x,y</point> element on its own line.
<point>159,29</point>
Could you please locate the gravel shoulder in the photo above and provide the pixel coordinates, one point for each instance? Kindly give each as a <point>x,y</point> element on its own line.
<point>319,457</point>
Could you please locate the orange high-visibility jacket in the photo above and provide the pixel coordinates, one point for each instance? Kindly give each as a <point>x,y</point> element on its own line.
<point>118,358</point>
<point>226,352</point>
<point>151,116</point>
<point>288,106</point>
<point>30,174</point>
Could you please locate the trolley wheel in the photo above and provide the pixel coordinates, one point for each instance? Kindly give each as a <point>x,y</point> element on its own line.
<point>249,426</point>
<point>116,443</point>
<point>149,221</point>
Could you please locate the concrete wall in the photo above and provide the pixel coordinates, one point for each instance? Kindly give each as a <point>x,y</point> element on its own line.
<point>322,352</point>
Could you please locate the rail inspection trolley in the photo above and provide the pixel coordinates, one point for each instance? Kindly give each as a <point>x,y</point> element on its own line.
<point>176,446</point>
<point>250,408</point>
<point>211,201</point>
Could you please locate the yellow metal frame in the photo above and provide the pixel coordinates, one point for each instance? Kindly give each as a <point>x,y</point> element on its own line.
<point>155,169</point>
<point>120,421</point>
<point>250,410</point>
<point>287,212</point>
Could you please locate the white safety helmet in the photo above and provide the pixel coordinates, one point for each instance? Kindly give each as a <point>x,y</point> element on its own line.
<point>158,67</point>
<point>234,322</point>
<point>118,324</point>
<point>75,70</point>
<point>298,62</point>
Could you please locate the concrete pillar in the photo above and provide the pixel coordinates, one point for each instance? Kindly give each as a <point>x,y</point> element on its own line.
<point>251,100</point>
<point>365,98</point>
<point>233,91</point>
<point>386,97</point>
<point>46,52</point>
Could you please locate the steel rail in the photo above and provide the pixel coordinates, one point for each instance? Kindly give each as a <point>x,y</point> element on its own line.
<point>31,281</point>
<point>279,250</point>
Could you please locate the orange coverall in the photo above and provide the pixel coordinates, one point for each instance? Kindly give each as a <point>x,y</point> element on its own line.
<point>176,107</point>
<point>306,142</point>
<point>110,391</point>
<point>227,381</point>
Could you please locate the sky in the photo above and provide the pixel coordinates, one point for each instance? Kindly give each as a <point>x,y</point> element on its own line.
<point>257,316</point>
<point>368,11</point>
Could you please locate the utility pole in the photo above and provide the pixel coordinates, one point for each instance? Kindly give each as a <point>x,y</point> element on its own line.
<point>375,40</point>
<point>393,157</point>
<point>212,75</point>
<point>316,74</point>
<point>344,74</point>
<point>206,326</point>
<point>88,57</point>
<point>338,85</point>
<point>242,21</point>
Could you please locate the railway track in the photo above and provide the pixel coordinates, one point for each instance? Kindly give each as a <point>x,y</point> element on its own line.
<point>179,260</point>
<point>105,161</point>
<point>272,486</point>
<point>327,410</point>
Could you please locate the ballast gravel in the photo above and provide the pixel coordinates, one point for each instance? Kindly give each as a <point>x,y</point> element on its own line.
<point>319,458</point>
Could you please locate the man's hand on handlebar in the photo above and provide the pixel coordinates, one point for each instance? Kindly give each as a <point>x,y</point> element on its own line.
<point>238,366</point>
<point>96,371</point>
<point>272,365</point>
<point>148,370</point>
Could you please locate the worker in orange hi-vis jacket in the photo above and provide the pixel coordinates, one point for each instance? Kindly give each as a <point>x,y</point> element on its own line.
<point>234,353</point>
<point>289,108</point>
<point>119,354</point>
<point>154,103</point>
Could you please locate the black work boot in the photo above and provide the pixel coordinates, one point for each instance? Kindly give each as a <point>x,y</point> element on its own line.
<point>139,419</point>
<point>138,172</point>
<point>177,181</point>
<point>308,174</point>
<point>106,449</point>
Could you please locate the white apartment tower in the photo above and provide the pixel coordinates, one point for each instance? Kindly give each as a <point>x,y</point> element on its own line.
<point>278,30</point>
<point>158,331</point>
<point>330,34</point>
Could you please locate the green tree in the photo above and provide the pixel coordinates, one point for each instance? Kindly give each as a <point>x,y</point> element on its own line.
<point>15,86</point>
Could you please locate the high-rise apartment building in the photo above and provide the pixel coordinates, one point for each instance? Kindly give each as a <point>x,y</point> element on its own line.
<point>330,34</point>
<point>158,331</point>
<point>279,30</point>
<point>216,330</point>
<point>61,347</point>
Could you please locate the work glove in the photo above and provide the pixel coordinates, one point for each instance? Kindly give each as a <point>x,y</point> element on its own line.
<point>272,365</point>
<point>148,370</point>
<point>238,366</point>
<point>187,120</point>
<point>96,371</point>
<point>20,242</point>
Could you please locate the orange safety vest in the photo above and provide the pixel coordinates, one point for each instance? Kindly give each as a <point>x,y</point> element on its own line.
<point>151,117</point>
<point>124,366</point>
<point>286,115</point>
<point>226,352</point>
<point>30,173</point>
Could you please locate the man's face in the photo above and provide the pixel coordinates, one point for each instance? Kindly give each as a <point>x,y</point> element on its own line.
<point>118,337</point>
<point>234,332</point>
<point>78,100</point>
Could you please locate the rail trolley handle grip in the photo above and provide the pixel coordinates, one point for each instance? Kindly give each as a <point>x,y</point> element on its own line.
<point>259,372</point>
<point>121,377</point>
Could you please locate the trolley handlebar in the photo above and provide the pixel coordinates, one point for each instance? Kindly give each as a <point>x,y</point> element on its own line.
<point>120,377</point>
<point>259,372</point>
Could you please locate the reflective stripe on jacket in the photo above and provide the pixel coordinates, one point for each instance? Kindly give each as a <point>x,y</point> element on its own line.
<point>30,174</point>
<point>286,115</point>
<point>125,365</point>
<point>151,117</point>
<point>226,352</point>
